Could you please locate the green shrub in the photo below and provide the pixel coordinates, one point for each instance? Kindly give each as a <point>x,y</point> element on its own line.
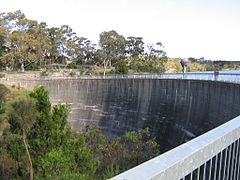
<point>72,65</point>
<point>121,68</point>
<point>2,75</point>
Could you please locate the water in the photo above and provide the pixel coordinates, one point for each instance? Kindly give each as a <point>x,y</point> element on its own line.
<point>220,72</point>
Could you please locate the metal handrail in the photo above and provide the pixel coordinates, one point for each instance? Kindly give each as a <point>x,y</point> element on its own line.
<point>187,159</point>
<point>223,77</point>
<point>189,75</point>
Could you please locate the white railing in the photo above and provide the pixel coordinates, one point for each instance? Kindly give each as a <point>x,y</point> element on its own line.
<point>214,155</point>
<point>226,77</point>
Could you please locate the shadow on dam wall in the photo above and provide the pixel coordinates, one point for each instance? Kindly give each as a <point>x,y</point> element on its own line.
<point>174,110</point>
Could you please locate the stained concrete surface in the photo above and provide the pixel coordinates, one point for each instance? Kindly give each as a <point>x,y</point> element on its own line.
<point>174,110</point>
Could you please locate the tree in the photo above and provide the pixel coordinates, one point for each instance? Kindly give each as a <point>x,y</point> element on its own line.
<point>57,151</point>
<point>22,115</point>
<point>40,137</point>
<point>51,128</point>
<point>85,51</point>
<point>54,37</point>
<point>134,46</point>
<point>26,42</point>
<point>139,147</point>
<point>3,36</point>
<point>156,57</point>
<point>120,154</point>
<point>71,161</point>
<point>112,47</point>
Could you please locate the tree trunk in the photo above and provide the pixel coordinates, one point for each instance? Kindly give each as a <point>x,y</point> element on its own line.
<point>105,67</point>
<point>22,67</point>
<point>28,155</point>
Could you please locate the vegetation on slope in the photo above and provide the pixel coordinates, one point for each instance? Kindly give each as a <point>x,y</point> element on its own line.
<point>38,143</point>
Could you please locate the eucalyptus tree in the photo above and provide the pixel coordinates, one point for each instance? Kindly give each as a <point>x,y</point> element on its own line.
<point>86,51</point>
<point>112,47</point>
<point>66,45</point>
<point>22,115</point>
<point>26,41</point>
<point>156,57</point>
<point>25,49</point>
<point>80,50</point>
<point>41,47</point>
<point>134,46</point>
<point>54,37</point>
<point>156,50</point>
<point>3,38</point>
<point>68,39</point>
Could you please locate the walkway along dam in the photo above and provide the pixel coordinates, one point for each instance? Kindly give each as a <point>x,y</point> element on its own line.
<point>175,110</point>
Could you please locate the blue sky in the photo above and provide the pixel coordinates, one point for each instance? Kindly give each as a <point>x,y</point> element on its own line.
<point>187,28</point>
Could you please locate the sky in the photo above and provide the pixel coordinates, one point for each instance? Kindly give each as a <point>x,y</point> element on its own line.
<point>187,28</point>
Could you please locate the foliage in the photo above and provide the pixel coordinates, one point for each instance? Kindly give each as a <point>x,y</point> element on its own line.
<point>39,143</point>
<point>26,44</point>
<point>49,146</point>
<point>122,153</point>
<point>193,66</point>
<point>68,162</point>
<point>22,115</point>
<point>173,65</point>
<point>4,91</point>
<point>72,65</point>
<point>121,68</point>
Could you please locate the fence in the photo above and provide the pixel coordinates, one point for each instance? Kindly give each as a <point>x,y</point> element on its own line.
<point>214,155</point>
<point>226,77</point>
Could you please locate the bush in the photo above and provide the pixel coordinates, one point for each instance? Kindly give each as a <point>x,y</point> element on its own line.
<point>32,67</point>
<point>71,65</point>
<point>121,68</point>
<point>2,75</point>
<point>120,154</point>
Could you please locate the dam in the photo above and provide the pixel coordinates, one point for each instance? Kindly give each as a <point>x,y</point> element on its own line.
<point>175,110</point>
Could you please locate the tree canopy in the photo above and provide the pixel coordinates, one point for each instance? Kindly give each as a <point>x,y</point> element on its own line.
<point>27,44</point>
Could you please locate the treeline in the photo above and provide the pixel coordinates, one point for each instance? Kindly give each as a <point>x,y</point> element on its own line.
<point>26,44</point>
<point>208,65</point>
<point>36,142</point>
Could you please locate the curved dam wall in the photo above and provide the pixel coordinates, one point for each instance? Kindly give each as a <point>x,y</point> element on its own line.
<point>175,110</point>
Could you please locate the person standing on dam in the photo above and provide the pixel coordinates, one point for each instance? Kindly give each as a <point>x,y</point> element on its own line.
<point>216,74</point>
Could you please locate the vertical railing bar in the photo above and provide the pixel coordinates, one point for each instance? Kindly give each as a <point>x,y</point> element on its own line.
<point>233,157</point>
<point>220,165</point>
<point>229,157</point>
<point>225,163</point>
<point>215,168</point>
<point>198,173</point>
<point>191,175</point>
<point>236,162</point>
<point>210,170</point>
<point>204,171</point>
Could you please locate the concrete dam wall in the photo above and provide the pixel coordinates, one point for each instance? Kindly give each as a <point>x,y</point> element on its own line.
<point>174,110</point>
